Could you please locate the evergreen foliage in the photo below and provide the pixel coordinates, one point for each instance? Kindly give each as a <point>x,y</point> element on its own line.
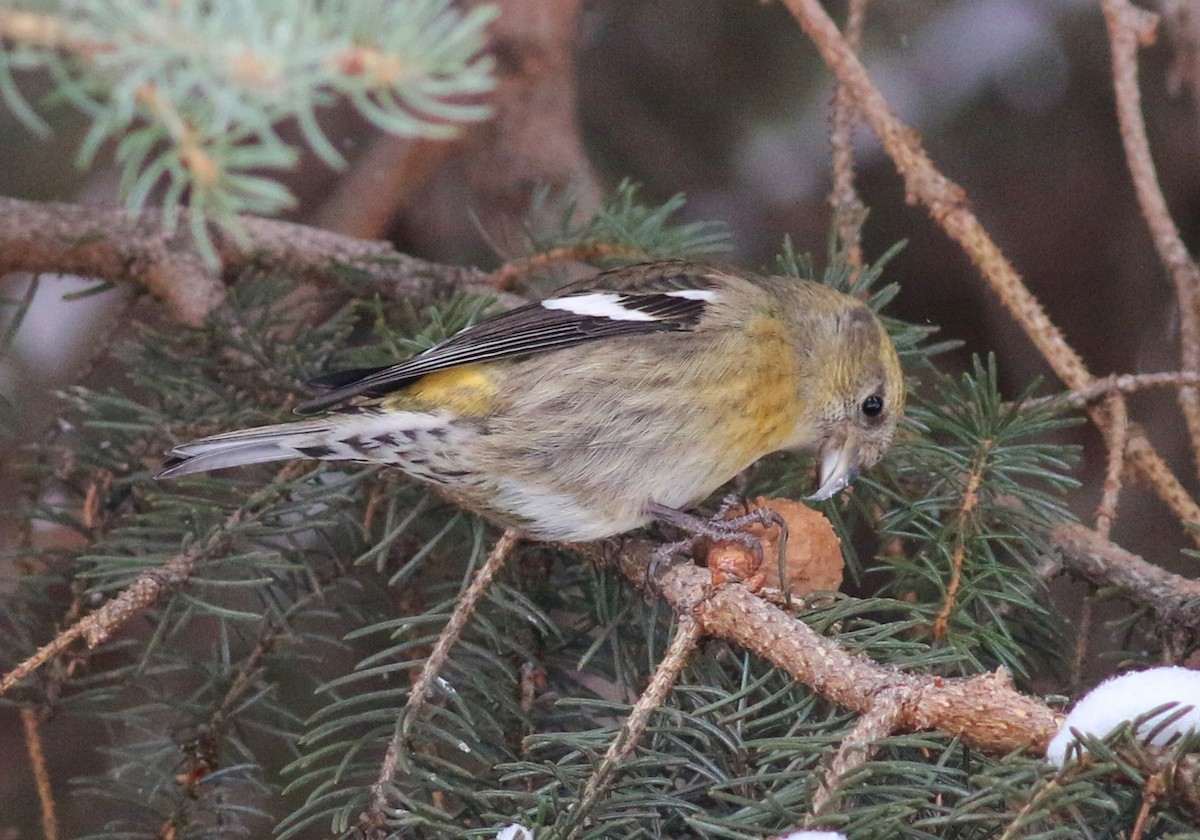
<point>194,94</point>
<point>262,695</point>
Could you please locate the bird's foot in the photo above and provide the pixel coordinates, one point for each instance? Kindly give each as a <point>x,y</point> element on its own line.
<point>721,528</point>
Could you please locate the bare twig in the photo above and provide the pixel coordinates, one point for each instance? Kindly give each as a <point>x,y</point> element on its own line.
<point>1124,383</point>
<point>687,634</point>
<point>1129,28</point>
<point>1155,472</point>
<point>970,501</point>
<point>41,776</point>
<point>882,720</point>
<point>97,627</point>
<point>1116,438</point>
<point>385,179</point>
<point>1175,599</point>
<point>463,610</point>
<point>849,212</point>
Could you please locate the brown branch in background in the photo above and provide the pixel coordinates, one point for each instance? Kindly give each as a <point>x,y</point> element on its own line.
<point>118,245</point>
<point>946,201</point>
<point>889,709</point>
<point>41,776</point>
<point>849,212</point>
<point>985,711</point>
<point>1157,474</point>
<point>532,142</point>
<point>375,820</point>
<point>948,206</point>
<point>95,628</point>
<point>1175,599</point>
<point>687,634</point>
<point>1128,29</point>
<point>385,179</point>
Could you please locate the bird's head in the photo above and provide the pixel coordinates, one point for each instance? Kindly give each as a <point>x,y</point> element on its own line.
<point>858,397</point>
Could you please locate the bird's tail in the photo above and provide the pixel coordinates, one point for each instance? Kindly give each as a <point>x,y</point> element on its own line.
<point>362,436</point>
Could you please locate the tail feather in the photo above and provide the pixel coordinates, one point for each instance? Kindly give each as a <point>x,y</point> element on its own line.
<point>407,439</point>
<point>247,446</point>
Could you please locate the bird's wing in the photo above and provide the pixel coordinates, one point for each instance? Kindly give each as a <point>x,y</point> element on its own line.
<point>629,301</point>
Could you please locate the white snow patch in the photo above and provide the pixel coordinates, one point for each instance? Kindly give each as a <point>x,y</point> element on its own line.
<point>1123,698</point>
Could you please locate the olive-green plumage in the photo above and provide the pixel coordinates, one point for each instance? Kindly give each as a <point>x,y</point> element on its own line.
<point>647,385</point>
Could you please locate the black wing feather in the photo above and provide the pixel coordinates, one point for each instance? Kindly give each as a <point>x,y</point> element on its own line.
<point>527,329</point>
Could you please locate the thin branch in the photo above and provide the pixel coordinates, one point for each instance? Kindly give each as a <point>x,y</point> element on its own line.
<point>463,610</point>
<point>1128,29</point>
<point>1116,438</point>
<point>384,181</point>
<point>1155,472</point>
<point>849,212</point>
<point>41,776</point>
<point>687,634</point>
<point>95,628</point>
<point>1125,383</point>
<point>884,717</point>
<point>1175,599</point>
<point>970,501</point>
<point>985,711</point>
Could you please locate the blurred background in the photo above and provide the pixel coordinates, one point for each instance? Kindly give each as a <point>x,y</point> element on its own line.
<point>728,102</point>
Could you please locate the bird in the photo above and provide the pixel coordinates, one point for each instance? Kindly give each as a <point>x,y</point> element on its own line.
<point>624,398</point>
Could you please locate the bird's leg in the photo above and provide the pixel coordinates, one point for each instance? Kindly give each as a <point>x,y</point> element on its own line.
<point>716,528</point>
<point>720,529</point>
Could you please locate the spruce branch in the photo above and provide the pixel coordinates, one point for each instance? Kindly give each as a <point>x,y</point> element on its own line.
<point>687,634</point>
<point>96,627</point>
<point>985,711</point>
<point>375,820</point>
<point>195,95</point>
<point>122,245</point>
<point>1088,554</point>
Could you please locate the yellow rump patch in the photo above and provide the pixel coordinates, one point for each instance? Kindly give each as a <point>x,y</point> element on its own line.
<point>464,390</point>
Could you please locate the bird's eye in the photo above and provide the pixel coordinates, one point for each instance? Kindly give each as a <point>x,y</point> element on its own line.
<point>873,406</point>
